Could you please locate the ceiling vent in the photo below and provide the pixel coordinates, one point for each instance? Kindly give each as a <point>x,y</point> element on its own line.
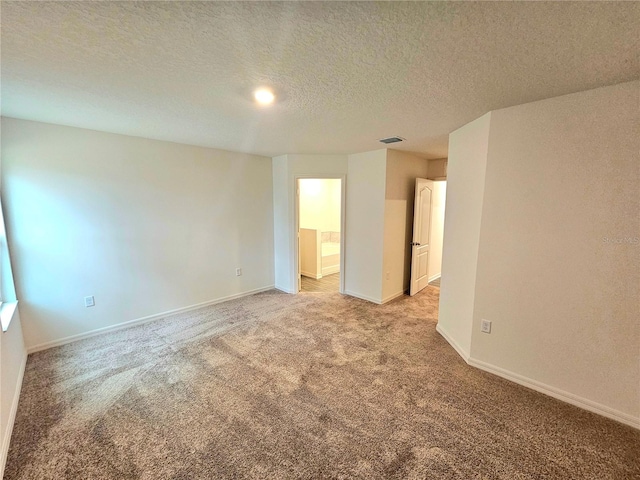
<point>392,140</point>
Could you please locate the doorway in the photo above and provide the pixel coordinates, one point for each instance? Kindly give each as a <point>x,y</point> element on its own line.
<point>428,232</point>
<point>320,238</point>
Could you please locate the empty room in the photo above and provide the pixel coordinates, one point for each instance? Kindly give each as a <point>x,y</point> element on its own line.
<point>320,240</point>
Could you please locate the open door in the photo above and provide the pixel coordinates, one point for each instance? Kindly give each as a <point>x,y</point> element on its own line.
<point>421,235</point>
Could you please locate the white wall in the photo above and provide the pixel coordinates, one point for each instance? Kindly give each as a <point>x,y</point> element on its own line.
<point>545,243</point>
<point>320,204</point>
<point>437,229</point>
<point>467,164</point>
<point>286,169</point>
<point>366,184</point>
<point>378,224</point>
<point>563,175</point>
<point>145,226</point>
<point>402,171</point>
<point>13,357</point>
<point>282,215</point>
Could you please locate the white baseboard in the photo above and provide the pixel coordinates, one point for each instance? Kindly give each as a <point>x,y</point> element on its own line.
<point>558,394</point>
<point>138,321</point>
<point>330,269</point>
<point>453,343</point>
<point>435,277</point>
<point>554,392</point>
<point>393,297</point>
<point>363,297</point>
<point>284,290</point>
<point>12,418</point>
<point>311,275</point>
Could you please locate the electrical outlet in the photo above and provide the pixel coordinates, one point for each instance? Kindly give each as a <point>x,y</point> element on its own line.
<point>485,327</point>
<point>388,276</point>
<point>238,272</point>
<point>89,301</point>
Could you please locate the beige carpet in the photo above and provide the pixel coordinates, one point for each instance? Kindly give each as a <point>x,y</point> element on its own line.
<point>308,386</point>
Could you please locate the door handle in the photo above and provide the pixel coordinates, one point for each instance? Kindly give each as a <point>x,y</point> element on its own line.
<point>417,244</point>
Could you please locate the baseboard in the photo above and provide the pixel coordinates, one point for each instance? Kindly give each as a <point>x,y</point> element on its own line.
<point>558,394</point>
<point>138,321</point>
<point>330,269</point>
<point>12,418</point>
<point>393,297</point>
<point>283,289</point>
<point>435,277</point>
<point>375,300</point>
<point>541,387</point>
<point>453,343</point>
<point>363,297</point>
<point>317,276</point>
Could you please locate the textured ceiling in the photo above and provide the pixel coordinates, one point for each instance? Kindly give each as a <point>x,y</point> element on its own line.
<point>346,74</point>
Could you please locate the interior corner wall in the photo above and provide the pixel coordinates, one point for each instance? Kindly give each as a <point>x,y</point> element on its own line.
<point>467,164</point>
<point>143,225</point>
<point>286,168</point>
<point>557,270</point>
<point>366,184</point>
<point>437,169</point>
<point>402,171</point>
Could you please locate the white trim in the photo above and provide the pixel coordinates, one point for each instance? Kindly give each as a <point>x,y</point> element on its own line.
<point>330,270</point>
<point>453,343</point>
<point>12,418</point>
<point>363,297</point>
<point>393,296</point>
<point>435,277</point>
<point>284,290</point>
<point>138,321</point>
<point>554,392</point>
<point>310,275</point>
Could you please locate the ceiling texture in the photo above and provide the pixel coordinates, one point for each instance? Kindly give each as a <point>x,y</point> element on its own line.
<point>345,73</point>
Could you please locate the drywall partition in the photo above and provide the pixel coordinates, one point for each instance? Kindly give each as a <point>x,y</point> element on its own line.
<point>144,226</point>
<point>557,271</point>
<point>465,191</point>
<point>282,212</point>
<point>437,229</point>
<point>378,223</point>
<point>366,184</point>
<point>402,171</point>
<point>287,168</point>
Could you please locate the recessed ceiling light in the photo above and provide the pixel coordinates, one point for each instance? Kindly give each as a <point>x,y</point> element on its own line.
<point>264,96</point>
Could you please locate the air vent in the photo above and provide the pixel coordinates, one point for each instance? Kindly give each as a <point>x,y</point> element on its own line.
<point>392,140</point>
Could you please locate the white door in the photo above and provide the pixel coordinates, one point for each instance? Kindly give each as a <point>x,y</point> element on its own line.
<point>421,235</point>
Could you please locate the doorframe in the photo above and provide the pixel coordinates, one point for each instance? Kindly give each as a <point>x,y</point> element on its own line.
<point>296,224</point>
